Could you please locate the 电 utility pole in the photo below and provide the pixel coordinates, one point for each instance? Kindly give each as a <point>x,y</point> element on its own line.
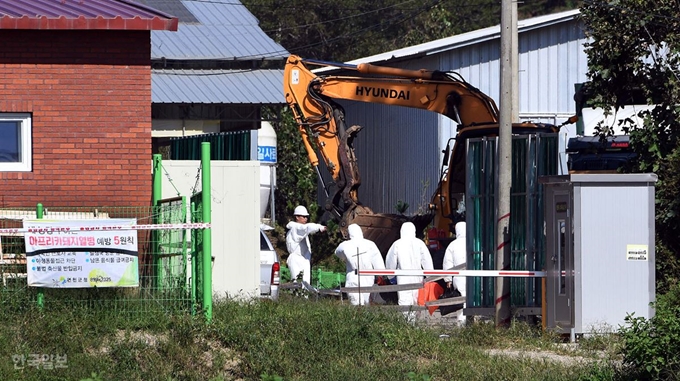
<point>507,91</point>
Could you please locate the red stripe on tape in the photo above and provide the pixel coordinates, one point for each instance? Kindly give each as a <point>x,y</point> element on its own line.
<point>425,272</point>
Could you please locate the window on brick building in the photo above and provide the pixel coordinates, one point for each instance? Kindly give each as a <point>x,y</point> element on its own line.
<point>15,142</point>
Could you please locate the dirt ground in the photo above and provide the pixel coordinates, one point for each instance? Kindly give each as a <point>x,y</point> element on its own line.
<point>565,353</point>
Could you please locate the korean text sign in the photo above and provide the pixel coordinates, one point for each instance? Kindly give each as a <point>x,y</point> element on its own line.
<point>81,253</point>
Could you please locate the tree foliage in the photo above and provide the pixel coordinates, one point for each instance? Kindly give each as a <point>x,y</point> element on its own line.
<point>635,47</point>
<point>349,29</point>
<point>296,184</point>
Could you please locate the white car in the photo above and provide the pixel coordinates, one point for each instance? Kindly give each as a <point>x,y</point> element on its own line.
<point>269,267</point>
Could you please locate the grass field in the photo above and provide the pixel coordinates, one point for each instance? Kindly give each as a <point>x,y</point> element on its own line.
<point>292,339</point>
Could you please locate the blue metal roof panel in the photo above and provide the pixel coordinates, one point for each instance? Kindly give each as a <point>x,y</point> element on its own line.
<point>217,86</point>
<point>225,30</point>
<point>90,14</point>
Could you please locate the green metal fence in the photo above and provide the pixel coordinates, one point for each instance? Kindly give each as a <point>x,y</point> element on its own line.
<point>174,272</point>
<point>164,284</point>
<point>532,156</point>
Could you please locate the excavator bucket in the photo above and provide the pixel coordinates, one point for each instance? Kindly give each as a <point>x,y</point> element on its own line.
<point>383,229</point>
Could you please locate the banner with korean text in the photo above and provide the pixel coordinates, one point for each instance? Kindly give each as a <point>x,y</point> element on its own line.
<point>81,253</point>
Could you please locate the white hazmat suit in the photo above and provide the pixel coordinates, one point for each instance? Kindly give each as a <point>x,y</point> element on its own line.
<point>299,248</point>
<point>359,253</point>
<point>408,253</point>
<point>456,255</point>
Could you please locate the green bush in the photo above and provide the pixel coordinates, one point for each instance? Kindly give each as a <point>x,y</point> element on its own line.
<point>652,346</point>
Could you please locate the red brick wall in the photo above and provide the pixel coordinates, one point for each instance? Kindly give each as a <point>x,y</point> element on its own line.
<point>89,93</point>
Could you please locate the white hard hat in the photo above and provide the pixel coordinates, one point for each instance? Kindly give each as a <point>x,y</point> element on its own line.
<point>300,211</point>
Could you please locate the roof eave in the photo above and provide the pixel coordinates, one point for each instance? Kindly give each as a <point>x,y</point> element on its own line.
<point>85,23</point>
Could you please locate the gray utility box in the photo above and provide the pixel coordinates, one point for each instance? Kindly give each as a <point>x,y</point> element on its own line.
<point>599,250</point>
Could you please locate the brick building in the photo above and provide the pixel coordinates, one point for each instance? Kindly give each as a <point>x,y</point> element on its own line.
<point>75,102</point>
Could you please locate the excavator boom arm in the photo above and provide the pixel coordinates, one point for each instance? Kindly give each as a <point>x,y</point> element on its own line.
<point>321,122</point>
<point>311,99</point>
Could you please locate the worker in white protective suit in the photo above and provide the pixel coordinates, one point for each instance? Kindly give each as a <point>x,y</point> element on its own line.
<point>408,253</point>
<point>456,256</point>
<point>359,253</point>
<point>297,243</point>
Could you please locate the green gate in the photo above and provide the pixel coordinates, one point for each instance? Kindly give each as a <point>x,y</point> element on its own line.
<point>197,250</point>
<point>532,156</point>
<point>171,247</point>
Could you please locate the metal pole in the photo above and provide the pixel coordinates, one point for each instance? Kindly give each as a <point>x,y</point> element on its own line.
<point>155,197</point>
<point>194,263</point>
<point>544,307</point>
<point>39,213</point>
<point>514,63</point>
<point>502,299</point>
<point>359,277</point>
<point>272,189</point>
<point>206,200</point>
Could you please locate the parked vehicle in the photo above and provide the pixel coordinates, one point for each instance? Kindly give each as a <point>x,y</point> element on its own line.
<point>270,267</point>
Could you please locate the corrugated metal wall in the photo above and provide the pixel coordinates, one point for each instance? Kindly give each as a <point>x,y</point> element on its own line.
<point>400,149</point>
<point>397,155</point>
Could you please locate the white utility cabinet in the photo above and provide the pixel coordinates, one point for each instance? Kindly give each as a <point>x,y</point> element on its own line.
<point>599,250</point>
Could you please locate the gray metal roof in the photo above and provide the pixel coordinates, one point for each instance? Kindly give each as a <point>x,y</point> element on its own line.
<point>212,30</point>
<point>217,86</point>
<point>474,37</point>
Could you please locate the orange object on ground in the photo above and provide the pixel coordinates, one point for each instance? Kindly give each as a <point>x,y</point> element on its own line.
<point>430,291</point>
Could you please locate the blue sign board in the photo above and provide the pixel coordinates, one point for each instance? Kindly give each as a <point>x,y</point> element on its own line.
<point>266,154</point>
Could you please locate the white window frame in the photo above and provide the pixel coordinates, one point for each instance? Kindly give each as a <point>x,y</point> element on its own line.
<point>26,163</point>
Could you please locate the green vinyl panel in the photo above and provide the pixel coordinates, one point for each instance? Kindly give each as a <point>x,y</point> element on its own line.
<point>232,145</point>
<point>532,156</point>
<point>474,220</point>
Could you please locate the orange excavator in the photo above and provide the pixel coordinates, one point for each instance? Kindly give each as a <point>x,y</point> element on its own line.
<point>321,122</point>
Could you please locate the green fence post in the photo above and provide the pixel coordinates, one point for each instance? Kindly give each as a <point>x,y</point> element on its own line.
<point>207,233</point>
<point>39,213</point>
<point>194,264</point>
<point>155,197</point>
<point>183,235</point>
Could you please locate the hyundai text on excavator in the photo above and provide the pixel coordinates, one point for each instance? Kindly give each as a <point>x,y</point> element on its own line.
<point>321,123</point>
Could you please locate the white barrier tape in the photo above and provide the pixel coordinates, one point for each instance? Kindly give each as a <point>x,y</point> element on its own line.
<point>473,273</point>
<point>63,229</point>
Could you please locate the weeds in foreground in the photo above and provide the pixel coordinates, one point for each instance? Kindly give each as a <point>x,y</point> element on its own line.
<point>651,347</point>
<point>292,339</point>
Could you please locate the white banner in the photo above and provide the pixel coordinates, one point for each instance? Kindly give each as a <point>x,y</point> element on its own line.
<point>58,256</point>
